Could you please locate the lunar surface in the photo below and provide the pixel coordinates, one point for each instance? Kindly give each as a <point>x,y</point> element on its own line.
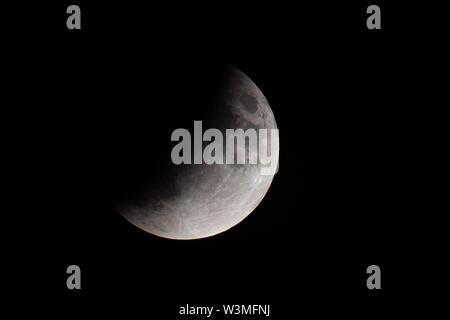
<point>197,201</point>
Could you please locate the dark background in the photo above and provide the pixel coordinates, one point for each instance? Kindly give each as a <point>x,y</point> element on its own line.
<point>335,207</point>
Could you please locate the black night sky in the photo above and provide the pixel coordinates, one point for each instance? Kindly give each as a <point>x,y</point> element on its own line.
<point>333,209</point>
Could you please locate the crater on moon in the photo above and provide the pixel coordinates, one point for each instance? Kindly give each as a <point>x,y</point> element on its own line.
<point>249,102</point>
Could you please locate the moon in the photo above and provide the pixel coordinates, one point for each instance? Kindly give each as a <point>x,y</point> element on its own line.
<point>198,201</point>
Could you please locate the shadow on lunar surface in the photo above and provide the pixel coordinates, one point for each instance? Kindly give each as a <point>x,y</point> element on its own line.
<point>189,201</point>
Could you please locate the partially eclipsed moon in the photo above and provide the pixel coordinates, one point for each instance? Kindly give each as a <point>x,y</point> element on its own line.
<point>204,200</point>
